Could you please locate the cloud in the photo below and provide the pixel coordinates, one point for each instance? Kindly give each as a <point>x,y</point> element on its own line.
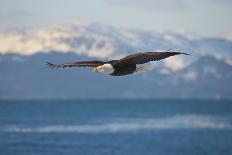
<point>167,5</point>
<point>220,2</point>
<point>11,19</point>
<point>153,4</point>
<point>15,14</point>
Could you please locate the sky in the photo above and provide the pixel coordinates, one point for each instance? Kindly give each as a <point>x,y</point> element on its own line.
<point>203,17</point>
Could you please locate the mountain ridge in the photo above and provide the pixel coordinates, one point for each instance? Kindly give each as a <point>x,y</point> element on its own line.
<point>206,74</point>
<point>30,78</point>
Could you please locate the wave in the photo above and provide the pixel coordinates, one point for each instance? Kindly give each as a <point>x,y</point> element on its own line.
<point>128,125</point>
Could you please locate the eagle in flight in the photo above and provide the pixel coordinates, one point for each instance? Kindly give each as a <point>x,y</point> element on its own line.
<point>124,66</point>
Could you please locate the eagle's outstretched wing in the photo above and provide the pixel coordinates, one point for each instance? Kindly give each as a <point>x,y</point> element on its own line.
<point>141,58</point>
<point>76,64</point>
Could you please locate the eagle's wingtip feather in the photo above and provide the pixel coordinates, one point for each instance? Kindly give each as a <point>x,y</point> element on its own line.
<point>186,54</point>
<point>178,51</point>
<point>51,65</point>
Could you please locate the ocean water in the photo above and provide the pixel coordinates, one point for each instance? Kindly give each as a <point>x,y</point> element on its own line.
<point>116,127</point>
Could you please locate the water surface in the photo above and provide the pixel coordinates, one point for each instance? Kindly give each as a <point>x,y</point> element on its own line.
<point>117,127</point>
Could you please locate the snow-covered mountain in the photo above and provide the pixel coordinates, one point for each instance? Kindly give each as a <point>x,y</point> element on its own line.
<point>207,73</point>
<point>105,42</point>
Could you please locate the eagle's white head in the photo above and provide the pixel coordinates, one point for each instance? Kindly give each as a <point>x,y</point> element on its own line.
<point>106,68</point>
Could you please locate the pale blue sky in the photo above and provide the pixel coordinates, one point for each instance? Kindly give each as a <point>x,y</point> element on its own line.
<point>204,17</point>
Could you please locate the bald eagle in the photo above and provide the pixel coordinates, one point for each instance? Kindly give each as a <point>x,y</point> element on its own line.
<point>124,66</point>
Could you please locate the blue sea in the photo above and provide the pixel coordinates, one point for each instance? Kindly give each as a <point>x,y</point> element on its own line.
<point>116,127</point>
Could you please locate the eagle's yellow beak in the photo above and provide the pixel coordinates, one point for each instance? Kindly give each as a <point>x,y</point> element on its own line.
<point>95,70</point>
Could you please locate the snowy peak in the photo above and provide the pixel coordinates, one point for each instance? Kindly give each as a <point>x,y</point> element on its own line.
<point>72,38</point>
<point>106,42</point>
<point>207,67</point>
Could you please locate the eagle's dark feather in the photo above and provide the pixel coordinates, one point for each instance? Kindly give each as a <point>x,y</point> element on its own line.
<point>77,64</point>
<point>141,58</point>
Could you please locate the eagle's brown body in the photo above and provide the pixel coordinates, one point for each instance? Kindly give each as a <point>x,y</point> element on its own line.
<point>124,70</point>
